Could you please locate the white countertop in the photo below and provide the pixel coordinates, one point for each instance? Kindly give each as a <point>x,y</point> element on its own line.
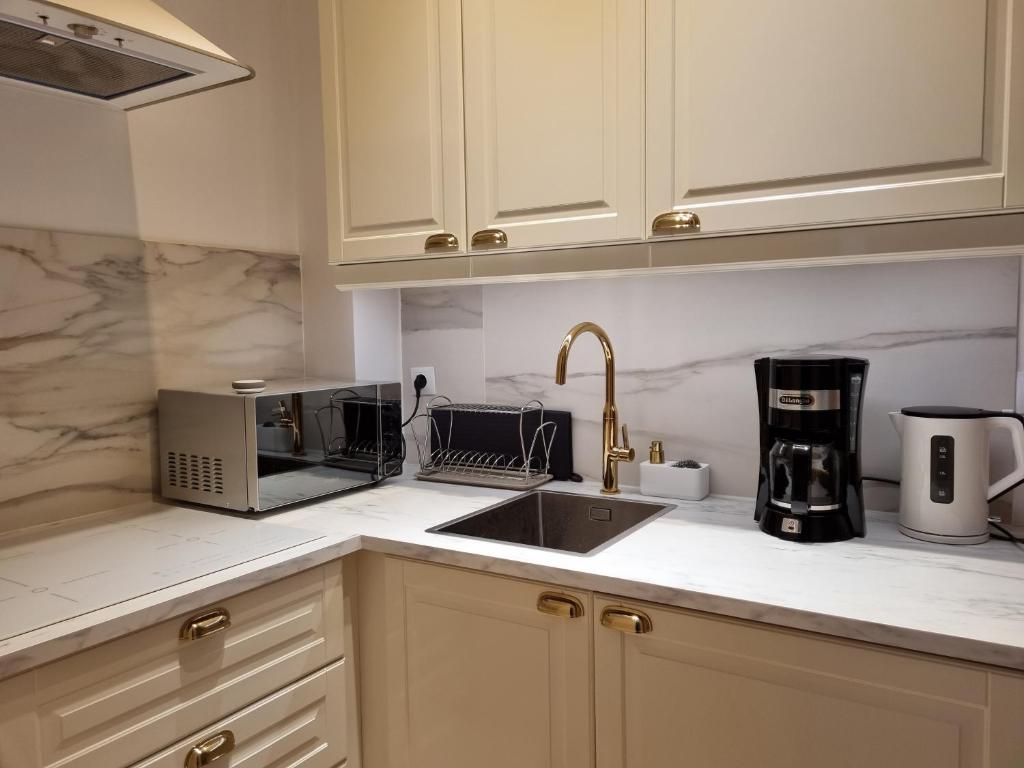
<point>963,602</point>
<point>53,574</point>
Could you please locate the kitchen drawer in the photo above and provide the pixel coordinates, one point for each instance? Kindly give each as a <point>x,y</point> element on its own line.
<point>297,727</point>
<point>128,698</point>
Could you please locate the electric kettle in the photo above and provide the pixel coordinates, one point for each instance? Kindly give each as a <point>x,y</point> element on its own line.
<point>945,490</point>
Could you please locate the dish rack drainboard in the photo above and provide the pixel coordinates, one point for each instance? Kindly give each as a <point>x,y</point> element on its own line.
<point>524,467</point>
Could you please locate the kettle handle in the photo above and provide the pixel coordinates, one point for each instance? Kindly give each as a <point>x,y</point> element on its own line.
<point>1013,422</point>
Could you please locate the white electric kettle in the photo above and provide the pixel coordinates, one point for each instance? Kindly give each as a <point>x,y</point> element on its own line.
<point>945,489</point>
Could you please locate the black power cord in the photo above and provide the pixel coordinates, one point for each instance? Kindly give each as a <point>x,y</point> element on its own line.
<point>885,480</point>
<point>418,384</point>
<point>1006,535</point>
<point>1003,535</point>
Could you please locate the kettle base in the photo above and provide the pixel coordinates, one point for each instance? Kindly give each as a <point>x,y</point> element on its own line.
<point>938,538</point>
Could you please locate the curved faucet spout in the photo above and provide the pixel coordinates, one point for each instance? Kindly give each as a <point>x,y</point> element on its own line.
<point>611,454</point>
<point>606,346</point>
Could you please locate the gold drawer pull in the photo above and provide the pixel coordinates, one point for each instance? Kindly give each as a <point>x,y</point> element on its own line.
<point>676,223</point>
<point>441,242</point>
<point>489,238</point>
<point>555,604</point>
<point>205,624</point>
<point>625,620</point>
<point>214,748</point>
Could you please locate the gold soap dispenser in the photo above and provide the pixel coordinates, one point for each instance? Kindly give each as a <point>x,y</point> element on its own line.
<point>657,452</point>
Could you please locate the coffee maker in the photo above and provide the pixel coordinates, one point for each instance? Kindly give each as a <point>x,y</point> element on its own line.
<point>809,485</point>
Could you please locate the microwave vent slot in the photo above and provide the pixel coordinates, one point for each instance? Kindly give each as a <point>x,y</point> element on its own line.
<point>195,473</point>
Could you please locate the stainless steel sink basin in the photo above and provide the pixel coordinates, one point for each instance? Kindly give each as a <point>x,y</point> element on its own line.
<point>552,520</point>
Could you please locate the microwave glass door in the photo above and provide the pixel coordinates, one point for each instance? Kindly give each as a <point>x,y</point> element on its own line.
<point>310,444</point>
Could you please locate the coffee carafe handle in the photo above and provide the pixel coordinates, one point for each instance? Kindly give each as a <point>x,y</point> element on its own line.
<point>1013,422</point>
<point>801,479</point>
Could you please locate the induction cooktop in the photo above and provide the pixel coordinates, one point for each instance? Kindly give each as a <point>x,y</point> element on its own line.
<point>59,572</point>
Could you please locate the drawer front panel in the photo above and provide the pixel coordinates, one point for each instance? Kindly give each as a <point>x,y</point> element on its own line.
<point>130,697</point>
<point>301,726</point>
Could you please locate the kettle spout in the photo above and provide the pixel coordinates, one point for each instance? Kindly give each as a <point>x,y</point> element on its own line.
<point>897,421</point>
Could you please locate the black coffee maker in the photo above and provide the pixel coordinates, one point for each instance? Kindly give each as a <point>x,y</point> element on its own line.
<point>809,486</point>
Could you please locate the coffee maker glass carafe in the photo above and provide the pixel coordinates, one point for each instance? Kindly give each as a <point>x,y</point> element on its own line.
<point>805,476</point>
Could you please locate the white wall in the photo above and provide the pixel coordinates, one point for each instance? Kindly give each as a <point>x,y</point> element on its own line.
<point>327,313</point>
<point>377,334</point>
<point>242,166</point>
<point>64,165</point>
<point>218,168</point>
<point>239,167</point>
<point>215,168</point>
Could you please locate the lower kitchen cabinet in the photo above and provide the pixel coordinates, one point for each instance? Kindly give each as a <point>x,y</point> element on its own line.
<point>463,670</point>
<point>674,687</point>
<point>233,665</point>
<point>296,727</point>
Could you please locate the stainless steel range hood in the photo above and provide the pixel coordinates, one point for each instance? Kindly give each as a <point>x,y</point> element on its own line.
<point>126,53</point>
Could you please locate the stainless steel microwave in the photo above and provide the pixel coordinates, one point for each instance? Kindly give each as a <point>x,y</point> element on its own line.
<point>291,442</point>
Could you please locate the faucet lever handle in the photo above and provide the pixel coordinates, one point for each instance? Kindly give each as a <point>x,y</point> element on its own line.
<point>625,453</point>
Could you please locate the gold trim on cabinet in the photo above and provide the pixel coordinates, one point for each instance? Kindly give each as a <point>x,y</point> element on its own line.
<point>204,624</point>
<point>209,750</point>
<point>442,242</point>
<point>489,238</point>
<point>556,604</point>
<point>675,223</point>
<point>626,620</point>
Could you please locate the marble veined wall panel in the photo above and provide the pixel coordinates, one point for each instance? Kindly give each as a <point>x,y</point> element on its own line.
<point>91,326</point>
<point>934,332</point>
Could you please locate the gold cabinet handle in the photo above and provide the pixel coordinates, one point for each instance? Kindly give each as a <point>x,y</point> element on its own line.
<point>626,620</point>
<point>489,238</point>
<point>213,748</point>
<point>675,223</point>
<point>564,606</point>
<point>441,242</point>
<point>205,624</point>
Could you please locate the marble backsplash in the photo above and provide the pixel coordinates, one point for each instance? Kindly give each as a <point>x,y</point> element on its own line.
<point>934,332</point>
<point>91,327</point>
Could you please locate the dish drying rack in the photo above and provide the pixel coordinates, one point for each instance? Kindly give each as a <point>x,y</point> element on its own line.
<point>354,438</point>
<point>442,462</point>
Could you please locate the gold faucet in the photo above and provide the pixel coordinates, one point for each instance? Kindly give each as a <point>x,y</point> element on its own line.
<point>611,454</point>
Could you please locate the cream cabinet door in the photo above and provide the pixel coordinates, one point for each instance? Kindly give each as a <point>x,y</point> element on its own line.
<point>554,119</point>
<point>295,727</point>
<point>392,91</point>
<point>462,670</point>
<point>712,692</point>
<point>764,115</point>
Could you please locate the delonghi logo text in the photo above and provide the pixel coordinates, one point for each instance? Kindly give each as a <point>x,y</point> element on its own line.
<point>803,399</point>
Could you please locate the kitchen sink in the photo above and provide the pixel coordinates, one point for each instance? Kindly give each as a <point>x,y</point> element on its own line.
<point>564,521</point>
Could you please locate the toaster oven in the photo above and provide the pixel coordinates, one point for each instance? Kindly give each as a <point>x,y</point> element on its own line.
<point>291,442</point>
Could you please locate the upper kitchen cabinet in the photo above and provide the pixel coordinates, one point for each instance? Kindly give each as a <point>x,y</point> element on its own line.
<point>806,113</point>
<point>554,102</point>
<point>392,82</point>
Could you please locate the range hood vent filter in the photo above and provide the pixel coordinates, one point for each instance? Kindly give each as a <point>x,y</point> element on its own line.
<point>77,67</point>
<point>120,54</point>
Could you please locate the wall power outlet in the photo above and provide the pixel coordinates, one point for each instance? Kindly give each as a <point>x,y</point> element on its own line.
<point>428,373</point>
